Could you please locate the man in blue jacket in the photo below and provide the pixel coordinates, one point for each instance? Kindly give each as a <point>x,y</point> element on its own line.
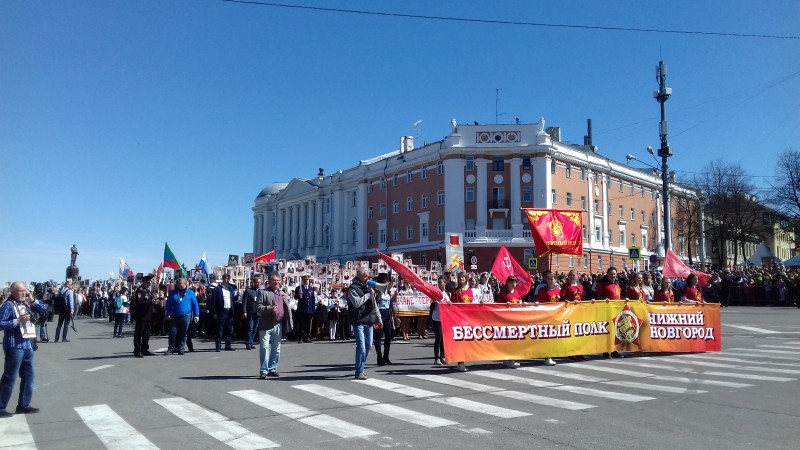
<point>15,317</point>
<point>181,309</point>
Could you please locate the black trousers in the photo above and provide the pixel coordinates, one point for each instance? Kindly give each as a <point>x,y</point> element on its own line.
<point>385,334</point>
<point>63,320</point>
<point>141,337</point>
<point>303,322</point>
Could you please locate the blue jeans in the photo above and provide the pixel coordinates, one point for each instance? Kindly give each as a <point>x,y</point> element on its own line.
<point>18,361</point>
<point>252,321</point>
<point>363,335</point>
<point>269,353</point>
<point>177,332</point>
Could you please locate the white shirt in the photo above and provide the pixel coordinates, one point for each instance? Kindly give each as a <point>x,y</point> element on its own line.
<point>226,299</point>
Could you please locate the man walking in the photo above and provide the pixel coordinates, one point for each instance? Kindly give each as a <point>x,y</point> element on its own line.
<point>182,308</point>
<point>64,302</point>
<point>142,313</point>
<point>361,308</point>
<point>271,309</point>
<point>222,301</point>
<point>15,321</point>
<point>251,314</point>
<point>306,306</point>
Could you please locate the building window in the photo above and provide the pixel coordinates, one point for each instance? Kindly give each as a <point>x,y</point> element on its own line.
<point>424,201</point>
<point>557,263</point>
<point>642,192</point>
<point>395,235</point>
<point>553,195</point>
<point>499,197</point>
<point>585,236</point>
<point>353,231</point>
<point>599,262</point>
<point>424,173</point>
<point>583,202</point>
<point>369,238</point>
<point>470,163</point>
<point>470,194</point>
<point>423,260</point>
<point>620,185</point>
<point>571,261</point>
<point>653,218</point>
<point>597,236</point>
<point>440,227</point>
<point>369,212</point>
<point>423,231</point>
<point>569,171</point>
<point>633,239</point>
<point>553,166</point>
<point>370,186</point>
<point>382,236</point>
<point>633,214</point>
<point>610,241</point>
<point>642,216</point>
<point>395,180</point>
<point>621,212</point>
<point>440,197</point>
<point>653,195</point>
<point>383,210</point>
<point>608,208</point>
<point>585,261</point>
<point>498,164</point>
<point>526,163</point>
<point>527,194</point>
<point>383,184</point>
<point>395,207</point>
<point>355,198</point>
<point>409,204</point>
<point>409,176</point>
<point>409,232</point>
<point>326,237</point>
<point>583,174</point>
<point>440,168</point>
<point>597,207</point>
<point>611,262</point>
<point>622,238</point>
<point>632,189</point>
<point>569,199</point>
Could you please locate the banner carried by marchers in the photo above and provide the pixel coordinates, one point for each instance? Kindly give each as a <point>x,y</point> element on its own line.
<point>490,332</point>
<point>557,231</point>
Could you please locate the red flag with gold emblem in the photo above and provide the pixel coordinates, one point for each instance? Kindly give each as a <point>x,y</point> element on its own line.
<point>505,265</point>
<point>557,231</point>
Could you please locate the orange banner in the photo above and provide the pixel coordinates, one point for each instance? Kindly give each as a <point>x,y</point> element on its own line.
<point>486,332</point>
<point>556,230</point>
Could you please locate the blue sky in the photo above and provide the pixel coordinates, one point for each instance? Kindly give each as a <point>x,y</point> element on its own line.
<point>125,124</point>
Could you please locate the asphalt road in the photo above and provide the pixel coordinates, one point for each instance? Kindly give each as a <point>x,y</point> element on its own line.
<point>93,394</point>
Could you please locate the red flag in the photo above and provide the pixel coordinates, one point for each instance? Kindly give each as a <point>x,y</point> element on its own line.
<point>675,268</point>
<point>556,230</point>
<point>412,278</point>
<point>265,258</point>
<point>159,273</point>
<point>505,265</point>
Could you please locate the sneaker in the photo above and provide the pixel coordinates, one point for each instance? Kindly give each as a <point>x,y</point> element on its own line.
<point>511,364</point>
<point>444,361</point>
<point>180,352</point>
<point>549,362</point>
<point>461,367</point>
<point>67,340</point>
<point>436,362</point>
<point>616,355</point>
<point>138,355</point>
<point>230,349</point>
<point>273,374</point>
<point>606,355</point>
<point>361,376</point>
<point>263,376</point>
<point>27,410</point>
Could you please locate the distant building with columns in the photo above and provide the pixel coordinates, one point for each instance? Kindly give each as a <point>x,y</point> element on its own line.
<point>475,182</point>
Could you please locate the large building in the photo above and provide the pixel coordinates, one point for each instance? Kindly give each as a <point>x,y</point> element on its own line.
<point>474,182</point>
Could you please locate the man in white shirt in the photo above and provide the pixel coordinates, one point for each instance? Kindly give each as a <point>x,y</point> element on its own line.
<point>223,299</point>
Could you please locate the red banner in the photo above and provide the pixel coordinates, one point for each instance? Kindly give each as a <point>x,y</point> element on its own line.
<point>490,332</point>
<point>412,278</point>
<point>675,268</point>
<point>556,230</point>
<point>505,265</point>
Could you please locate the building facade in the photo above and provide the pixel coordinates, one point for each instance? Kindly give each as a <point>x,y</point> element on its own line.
<point>474,182</point>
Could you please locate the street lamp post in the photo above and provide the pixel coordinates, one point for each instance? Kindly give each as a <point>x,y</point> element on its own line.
<point>661,96</point>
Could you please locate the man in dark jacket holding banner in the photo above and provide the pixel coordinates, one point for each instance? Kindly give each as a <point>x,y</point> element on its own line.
<point>363,314</point>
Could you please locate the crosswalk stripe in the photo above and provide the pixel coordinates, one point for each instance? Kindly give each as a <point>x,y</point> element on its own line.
<point>748,361</point>
<point>731,366</point>
<point>304,415</point>
<point>523,396</point>
<point>763,350</point>
<point>560,374</point>
<point>561,387</point>
<point>794,347</point>
<point>93,369</point>
<point>215,425</point>
<point>393,411</point>
<point>655,387</point>
<point>753,329</point>
<point>112,430</point>
<point>455,402</point>
<point>16,433</point>
<point>750,352</point>
<point>637,374</point>
<point>748,376</point>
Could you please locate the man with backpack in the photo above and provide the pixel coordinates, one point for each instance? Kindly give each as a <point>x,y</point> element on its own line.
<point>63,305</point>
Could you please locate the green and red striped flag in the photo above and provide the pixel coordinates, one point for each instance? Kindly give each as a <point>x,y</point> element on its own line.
<point>171,261</point>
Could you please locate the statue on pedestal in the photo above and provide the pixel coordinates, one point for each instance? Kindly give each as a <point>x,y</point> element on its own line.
<point>73,255</point>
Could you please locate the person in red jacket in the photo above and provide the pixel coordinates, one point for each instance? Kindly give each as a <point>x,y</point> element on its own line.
<point>636,289</point>
<point>510,293</point>
<point>573,290</point>
<point>607,288</point>
<point>664,292</point>
<point>550,292</point>
<point>691,293</point>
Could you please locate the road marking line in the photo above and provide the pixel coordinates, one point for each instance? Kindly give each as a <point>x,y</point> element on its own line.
<point>215,425</point>
<point>748,361</point>
<point>455,402</point>
<point>655,387</point>
<point>761,350</point>
<point>561,387</point>
<point>393,411</point>
<point>732,366</point>
<point>706,382</point>
<point>537,399</point>
<point>633,373</point>
<point>753,329</point>
<point>559,374</point>
<point>161,350</point>
<point>302,414</point>
<point>16,433</point>
<point>754,353</point>
<point>112,430</point>
<point>795,347</point>
<point>99,368</point>
<point>748,376</point>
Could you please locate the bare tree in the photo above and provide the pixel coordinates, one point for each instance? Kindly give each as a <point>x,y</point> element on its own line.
<point>687,220</point>
<point>785,193</point>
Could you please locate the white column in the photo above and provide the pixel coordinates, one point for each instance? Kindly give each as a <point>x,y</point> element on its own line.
<point>256,229</point>
<point>454,196</point>
<point>605,182</point>
<point>542,182</point>
<point>361,218</point>
<point>319,230</point>
<point>515,188</point>
<point>590,177</point>
<point>481,186</point>
<point>302,228</point>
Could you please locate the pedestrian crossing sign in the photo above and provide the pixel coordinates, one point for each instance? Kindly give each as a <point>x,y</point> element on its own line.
<point>533,263</point>
<point>634,253</point>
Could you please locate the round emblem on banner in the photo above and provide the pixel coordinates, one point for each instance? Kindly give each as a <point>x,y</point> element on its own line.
<point>627,327</point>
